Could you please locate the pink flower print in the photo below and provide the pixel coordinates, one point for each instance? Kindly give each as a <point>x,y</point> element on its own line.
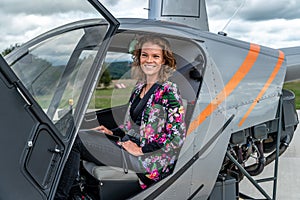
<point>154,175</point>
<point>155,159</point>
<point>152,115</point>
<point>148,130</point>
<point>169,126</point>
<point>159,129</point>
<point>155,137</point>
<point>143,186</point>
<point>162,140</point>
<point>171,119</point>
<point>178,118</point>
<point>166,88</point>
<point>158,95</point>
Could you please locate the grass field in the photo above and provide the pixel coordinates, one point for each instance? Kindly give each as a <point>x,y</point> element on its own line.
<point>295,87</point>
<point>110,97</point>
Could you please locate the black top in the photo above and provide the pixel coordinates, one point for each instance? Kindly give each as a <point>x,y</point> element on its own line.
<point>135,115</point>
<point>137,106</point>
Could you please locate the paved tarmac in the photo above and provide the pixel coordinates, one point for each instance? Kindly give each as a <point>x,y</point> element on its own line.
<point>288,185</point>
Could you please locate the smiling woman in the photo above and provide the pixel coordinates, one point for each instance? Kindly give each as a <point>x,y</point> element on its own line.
<point>153,128</point>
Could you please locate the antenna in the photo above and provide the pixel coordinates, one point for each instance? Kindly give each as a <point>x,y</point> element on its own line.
<point>230,19</point>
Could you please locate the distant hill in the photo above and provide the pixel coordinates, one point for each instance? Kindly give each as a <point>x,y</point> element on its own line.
<point>119,69</point>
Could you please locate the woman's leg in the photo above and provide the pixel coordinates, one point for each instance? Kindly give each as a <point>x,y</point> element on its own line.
<point>94,147</point>
<point>101,150</point>
<point>97,148</point>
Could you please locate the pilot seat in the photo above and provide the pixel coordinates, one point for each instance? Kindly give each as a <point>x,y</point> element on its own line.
<point>111,182</point>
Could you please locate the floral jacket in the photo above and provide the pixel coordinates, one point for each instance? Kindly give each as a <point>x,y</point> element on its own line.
<point>162,125</point>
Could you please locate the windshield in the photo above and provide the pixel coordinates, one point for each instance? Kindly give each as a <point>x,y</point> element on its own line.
<point>115,84</point>
<point>54,70</point>
<point>59,66</point>
<point>41,70</point>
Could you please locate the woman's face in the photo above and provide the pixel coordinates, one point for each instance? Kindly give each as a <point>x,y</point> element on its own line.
<point>151,60</point>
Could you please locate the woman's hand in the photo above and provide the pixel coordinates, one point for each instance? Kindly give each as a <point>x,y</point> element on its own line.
<point>103,129</point>
<point>132,148</point>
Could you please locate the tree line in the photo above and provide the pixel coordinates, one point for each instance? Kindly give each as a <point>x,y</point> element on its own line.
<point>9,49</point>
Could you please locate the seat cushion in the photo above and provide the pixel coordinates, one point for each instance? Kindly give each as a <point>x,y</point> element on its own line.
<point>103,173</point>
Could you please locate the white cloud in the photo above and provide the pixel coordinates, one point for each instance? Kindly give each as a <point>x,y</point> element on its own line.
<point>22,23</point>
<point>45,7</point>
<point>19,24</point>
<point>265,10</point>
<point>270,23</point>
<point>129,8</point>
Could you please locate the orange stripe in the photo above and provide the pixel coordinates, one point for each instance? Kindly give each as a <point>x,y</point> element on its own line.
<point>230,86</point>
<point>266,86</point>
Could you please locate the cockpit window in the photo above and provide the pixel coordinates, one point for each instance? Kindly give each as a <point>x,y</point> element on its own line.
<point>41,70</point>
<point>55,70</point>
<point>59,66</point>
<point>115,83</point>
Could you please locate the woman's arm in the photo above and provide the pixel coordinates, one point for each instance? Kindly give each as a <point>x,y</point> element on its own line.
<point>117,131</point>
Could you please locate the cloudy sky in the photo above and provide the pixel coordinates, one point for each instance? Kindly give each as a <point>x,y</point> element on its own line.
<point>273,23</point>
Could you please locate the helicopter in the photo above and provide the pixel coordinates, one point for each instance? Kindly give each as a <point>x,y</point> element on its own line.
<point>239,118</point>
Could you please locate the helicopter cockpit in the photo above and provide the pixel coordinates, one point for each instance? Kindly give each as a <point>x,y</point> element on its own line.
<point>57,81</point>
<point>117,66</point>
<point>109,101</point>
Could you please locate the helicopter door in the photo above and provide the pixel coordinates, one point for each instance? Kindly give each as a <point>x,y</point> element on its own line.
<point>36,129</point>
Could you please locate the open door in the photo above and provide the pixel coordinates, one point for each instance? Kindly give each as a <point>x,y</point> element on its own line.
<point>43,98</point>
